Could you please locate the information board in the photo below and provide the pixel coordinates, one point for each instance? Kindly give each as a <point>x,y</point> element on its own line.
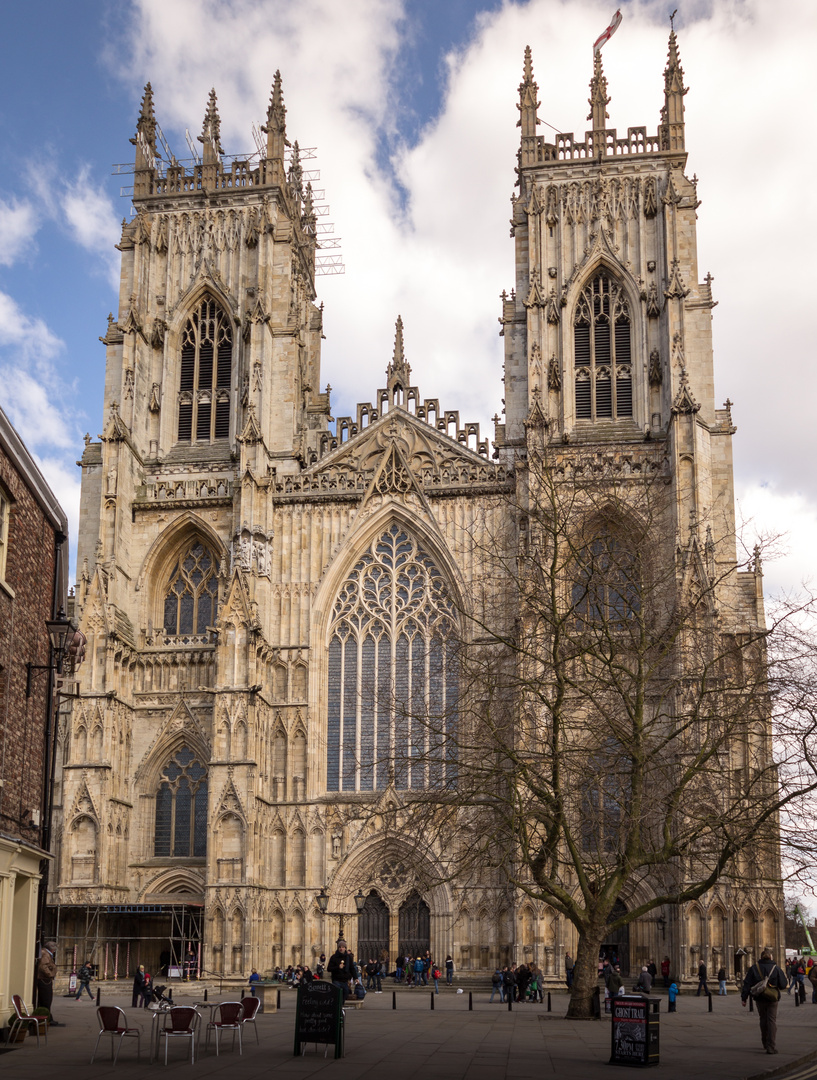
<point>634,1032</point>
<point>319,1016</point>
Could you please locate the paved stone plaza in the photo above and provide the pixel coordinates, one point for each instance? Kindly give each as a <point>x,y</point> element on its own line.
<point>450,1043</point>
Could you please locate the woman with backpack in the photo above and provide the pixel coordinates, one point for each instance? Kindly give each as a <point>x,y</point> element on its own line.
<point>763,982</point>
<point>84,976</point>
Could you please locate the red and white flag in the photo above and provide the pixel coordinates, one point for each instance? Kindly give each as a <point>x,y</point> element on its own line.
<point>603,38</point>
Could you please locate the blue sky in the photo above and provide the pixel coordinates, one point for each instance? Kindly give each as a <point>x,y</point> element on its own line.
<point>412,108</point>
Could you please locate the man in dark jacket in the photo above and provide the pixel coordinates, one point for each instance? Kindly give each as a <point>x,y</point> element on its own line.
<point>766,1009</point>
<point>46,971</point>
<point>341,968</point>
<point>702,980</point>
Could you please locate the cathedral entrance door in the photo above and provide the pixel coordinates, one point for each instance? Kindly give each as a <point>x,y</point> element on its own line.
<point>415,926</point>
<point>616,947</point>
<point>372,929</point>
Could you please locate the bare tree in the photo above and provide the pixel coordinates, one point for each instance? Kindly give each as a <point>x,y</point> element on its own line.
<point>628,725</point>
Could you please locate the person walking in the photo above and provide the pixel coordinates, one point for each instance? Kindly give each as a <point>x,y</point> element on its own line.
<point>721,982</point>
<point>812,978</point>
<point>702,980</point>
<point>496,986</point>
<point>665,971</point>
<point>569,965</point>
<point>766,1007</point>
<point>84,976</point>
<point>449,969</point>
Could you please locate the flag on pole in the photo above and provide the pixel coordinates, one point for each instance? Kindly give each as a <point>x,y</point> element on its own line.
<point>604,37</point>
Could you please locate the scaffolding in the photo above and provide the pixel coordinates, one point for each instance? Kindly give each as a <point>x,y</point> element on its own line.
<point>117,938</point>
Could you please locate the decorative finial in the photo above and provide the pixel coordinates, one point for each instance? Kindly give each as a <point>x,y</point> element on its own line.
<point>145,138</point>
<point>528,98</point>
<point>296,173</point>
<point>672,20</point>
<point>672,114</point>
<point>598,101</point>
<point>210,137</point>
<point>399,370</point>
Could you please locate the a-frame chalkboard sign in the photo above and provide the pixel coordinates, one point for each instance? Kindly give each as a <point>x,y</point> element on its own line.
<point>319,1017</point>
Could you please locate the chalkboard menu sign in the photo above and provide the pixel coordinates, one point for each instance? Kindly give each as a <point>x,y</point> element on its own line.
<point>634,1032</point>
<point>319,1016</point>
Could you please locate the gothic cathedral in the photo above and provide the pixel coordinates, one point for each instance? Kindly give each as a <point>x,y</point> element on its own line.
<point>248,565</point>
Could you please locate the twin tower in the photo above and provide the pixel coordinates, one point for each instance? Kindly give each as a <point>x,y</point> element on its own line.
<point>244,558</point>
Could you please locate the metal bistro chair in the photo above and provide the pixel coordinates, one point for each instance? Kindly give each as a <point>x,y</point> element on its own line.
<point>113,1022</point>
<point>184,1023</point>
<point>251,1006</point>
<point>227,1017</point>
<point>24,1017</point>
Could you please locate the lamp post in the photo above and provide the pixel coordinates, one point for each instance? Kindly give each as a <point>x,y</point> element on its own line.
<point>322,900</point>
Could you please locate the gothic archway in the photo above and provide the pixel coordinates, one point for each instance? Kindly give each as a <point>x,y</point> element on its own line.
<point>373,928</point>
<point>414,921</point>
<point>616,946</point>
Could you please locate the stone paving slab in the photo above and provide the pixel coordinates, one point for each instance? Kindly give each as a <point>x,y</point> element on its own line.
<point>449,1043</point>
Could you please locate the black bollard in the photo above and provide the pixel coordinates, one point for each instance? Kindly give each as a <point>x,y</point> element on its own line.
<point>278,1000</point>
<point>548,1000</point>
<point>394,999</point>
<point>98,992</point>
<point>432,1001</point>
<point>470,1001</point>
<point>205,993</point>
<point>595,1004</point>
<point>170,995</point>
<point>709,995</point>
<point>510,1000</point>
<point>796,997</point>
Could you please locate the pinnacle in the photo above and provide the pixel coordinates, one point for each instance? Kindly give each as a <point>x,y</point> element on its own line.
<point>528,66</point>
<point>146,111</point>
<point>211,128</point>
<point>398,370</point>
<point>276,112</point>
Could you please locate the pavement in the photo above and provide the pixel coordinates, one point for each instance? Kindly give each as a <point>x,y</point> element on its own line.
<point>449,1043</point>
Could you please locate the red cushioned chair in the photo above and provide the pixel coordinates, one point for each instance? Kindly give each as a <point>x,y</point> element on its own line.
<point>24,1017</point>
<point>184,1024</point>
<point>114,1023</point>
<point>251,1006</point>
<point>227,1017</point>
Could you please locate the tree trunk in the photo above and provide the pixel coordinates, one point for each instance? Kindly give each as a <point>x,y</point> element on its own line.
<point>585,975</point>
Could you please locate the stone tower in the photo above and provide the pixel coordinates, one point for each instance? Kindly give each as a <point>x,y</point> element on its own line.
<point>244,558</point>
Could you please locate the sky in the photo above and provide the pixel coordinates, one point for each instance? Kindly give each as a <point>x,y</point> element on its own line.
<point>411,106</point>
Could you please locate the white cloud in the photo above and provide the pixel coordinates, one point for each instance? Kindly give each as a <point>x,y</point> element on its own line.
<point>29,338</point>
<point>18,224</point>
<point>92,221</point>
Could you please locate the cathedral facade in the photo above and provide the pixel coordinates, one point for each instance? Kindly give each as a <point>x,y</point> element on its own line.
<point>252,569</point>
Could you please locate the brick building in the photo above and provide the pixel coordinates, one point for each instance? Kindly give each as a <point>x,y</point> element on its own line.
<point>33,582</point>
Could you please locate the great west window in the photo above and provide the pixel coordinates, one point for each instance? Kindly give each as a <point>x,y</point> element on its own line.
<point>181,807</point>
<point>603,351</point>
<point>393,685</point>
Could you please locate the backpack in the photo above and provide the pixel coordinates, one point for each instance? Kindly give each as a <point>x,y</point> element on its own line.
<point>761,991</point>
<point>360,992</point>
<point>84,973</point>
<point>418,964</point>
<point>496,978</point>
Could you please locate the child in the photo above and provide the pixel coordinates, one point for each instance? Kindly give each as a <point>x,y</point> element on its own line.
<point>672,993</point>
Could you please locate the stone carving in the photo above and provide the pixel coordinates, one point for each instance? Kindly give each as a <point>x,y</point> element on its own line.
<point>656,374</point>
<point>535,297</point>
<point>554,374</point>
<point>553,306</point>
<point>653,303</point>
<point>650,197</point>
<point>552,205</point>
<point>675,290</point>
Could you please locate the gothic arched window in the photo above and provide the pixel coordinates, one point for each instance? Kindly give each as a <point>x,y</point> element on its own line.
<point>603,351</point>
<point>393,685</point>
<point>191,599</point>
<point>204,383</point>
<point>607,586</point>
<point>181,808</point>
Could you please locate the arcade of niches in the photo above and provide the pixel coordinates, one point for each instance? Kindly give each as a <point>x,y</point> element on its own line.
<point>251,570</point>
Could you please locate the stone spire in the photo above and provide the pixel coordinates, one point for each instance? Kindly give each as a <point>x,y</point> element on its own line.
<point>672,115</point>
<point>276,126</point>
<point>145,138</point>
<point>210,137</point>
<point>528,99</point>
<point>296,174</point>
<point>598,101</point>
<point>399,370</point>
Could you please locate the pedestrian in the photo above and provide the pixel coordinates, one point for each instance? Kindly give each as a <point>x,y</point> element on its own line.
<point>496,986</point>
<point>84,976</point>
<point>672,995</point>
<point>721,982</point>
<point>644,983</point>
<point>418,971</point>
<point>702,980</point>
<point>341,968</point>
<point>254,978</point>
<point>522,982</point>
<point>436,975</point>
<point>665,971</point>
<point>766,1005</point>
<point>449,969</point>
<point>653,970</point>
<point>812,977</point>
<point>509,982</point>
<point>614,984</point>
<point>46,972</point>
<point>569,970</point>
<point>800,974</point>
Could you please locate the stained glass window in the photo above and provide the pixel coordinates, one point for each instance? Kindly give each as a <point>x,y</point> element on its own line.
<point>603,352</point>
<point>191,601</point>
<point>393,683</point>
<point>181,807</point>
<point>204,382</point>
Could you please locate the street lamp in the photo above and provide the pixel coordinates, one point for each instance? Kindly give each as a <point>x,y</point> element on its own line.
<point>61,632</point>
<point>322,900</point>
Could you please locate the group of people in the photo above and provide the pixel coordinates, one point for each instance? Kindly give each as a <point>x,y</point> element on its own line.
<point>798,969</point>
<point>512,983</point>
